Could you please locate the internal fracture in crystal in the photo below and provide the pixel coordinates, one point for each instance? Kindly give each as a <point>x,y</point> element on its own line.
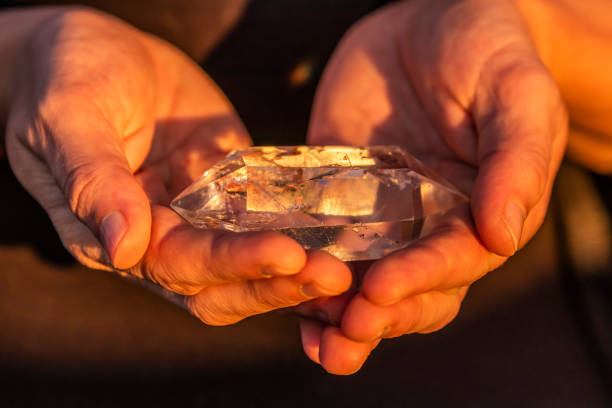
<point>356,203</point>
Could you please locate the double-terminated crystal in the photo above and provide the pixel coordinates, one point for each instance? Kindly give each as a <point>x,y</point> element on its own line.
<point>356,203</point>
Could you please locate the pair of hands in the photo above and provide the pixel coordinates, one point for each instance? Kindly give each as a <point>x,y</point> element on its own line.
<point>108,123</point>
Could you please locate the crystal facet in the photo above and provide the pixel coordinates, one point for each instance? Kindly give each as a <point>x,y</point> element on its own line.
<point>354,202</point>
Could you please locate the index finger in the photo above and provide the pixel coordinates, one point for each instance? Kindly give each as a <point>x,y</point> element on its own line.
<point>186,260</point>
<point>451,256</point>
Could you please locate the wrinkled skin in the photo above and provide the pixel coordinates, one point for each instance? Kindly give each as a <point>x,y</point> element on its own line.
<point>460,85</point>
<point>106,125</point>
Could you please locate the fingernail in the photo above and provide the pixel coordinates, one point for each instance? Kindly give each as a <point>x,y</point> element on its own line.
<point>312,290</point>
<point>265,272</point>
<point>515,218</point>
<point>112,229</point>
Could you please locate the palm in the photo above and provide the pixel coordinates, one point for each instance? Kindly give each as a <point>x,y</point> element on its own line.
<point>392,82</point>
<point>194,127</point>
<point>459,84</point>
<point>103,135</point>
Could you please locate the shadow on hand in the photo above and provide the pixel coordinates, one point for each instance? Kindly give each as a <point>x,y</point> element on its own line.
<point>185,150</point>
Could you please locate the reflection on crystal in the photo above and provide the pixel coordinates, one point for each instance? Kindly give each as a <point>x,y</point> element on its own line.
<point>356,203</point>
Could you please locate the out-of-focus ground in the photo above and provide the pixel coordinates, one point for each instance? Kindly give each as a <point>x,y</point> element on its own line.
<point>536,332</point>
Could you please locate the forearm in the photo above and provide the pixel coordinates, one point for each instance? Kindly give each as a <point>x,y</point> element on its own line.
<point>574,39</point>
<point>16,26</point>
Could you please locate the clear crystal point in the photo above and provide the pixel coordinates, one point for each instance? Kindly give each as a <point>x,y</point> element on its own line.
<point>354,202</point>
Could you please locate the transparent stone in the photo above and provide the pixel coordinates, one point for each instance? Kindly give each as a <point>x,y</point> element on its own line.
<point>354,202</point>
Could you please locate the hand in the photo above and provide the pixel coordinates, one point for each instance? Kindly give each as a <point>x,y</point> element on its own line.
<point>106,125</point>
<point>461,86</point>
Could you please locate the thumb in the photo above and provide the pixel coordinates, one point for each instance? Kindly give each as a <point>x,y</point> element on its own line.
<point>77,171</point>
<point>521,123</point>
<point>105,196</point>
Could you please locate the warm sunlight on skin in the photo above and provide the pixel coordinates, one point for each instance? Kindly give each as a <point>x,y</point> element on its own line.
<point>342,106</point>
<point>475,83</point>
<point>106,123</point>
<point>474,101</point>
<point>145,121</point>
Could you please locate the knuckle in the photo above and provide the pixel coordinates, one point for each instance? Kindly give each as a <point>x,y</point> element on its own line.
<point>530,78</point>
<point>225,258</point>
<point>207,314</point>
<point>413,314</point>
<point>83,183</point>
<point>443,321</point>
<point>535,162</point>
<point>182,288</point>
<point>80,184</point>
<point>215,260</point>
<point>263,300</point>
<point>220,245</point>
<point>164,274</point>
<point>433,256</point>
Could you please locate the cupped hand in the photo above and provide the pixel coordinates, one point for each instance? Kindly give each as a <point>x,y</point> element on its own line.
<point>460,84</point>
<point>106,125</point>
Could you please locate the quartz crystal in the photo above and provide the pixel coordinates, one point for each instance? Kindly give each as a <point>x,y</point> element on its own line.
<point>354,202</point>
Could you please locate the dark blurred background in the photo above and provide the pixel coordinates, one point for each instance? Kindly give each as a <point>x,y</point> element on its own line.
<point>537,332</point>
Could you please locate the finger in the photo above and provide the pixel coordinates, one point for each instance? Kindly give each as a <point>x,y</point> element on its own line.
<point>452,256</point>
<point>77,171</point>
<point>366,322</point>
<point>522,129</point>
<point>200,125</point>
<point>185,259</point>
<point>454,298</point>
<point>310,334</point>
<point>100,189</point>
<point>323,275</point>
<point>340,355</point>
<point>327,310</point>
<point>428,312</point>
<point>71,119</point>
<point>330,309</point>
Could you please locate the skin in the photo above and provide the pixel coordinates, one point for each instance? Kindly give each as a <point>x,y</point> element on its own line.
<point>472,87</point>
<point>460,84</point>
<point>105,125</point>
